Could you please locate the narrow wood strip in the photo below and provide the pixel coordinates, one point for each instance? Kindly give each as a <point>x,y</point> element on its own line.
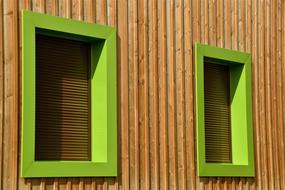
<point>28,184</point>
<point>101,11</point>
<point>2,111</point>
<point>142,96</point>
<point>212,22</point>
<point>204,21</point>
<point>38,6</point>
<point>36,184</point>
<point>220,21</point>
<point>171,99</point>
<point>196,26</point>
<point>273,90</point>
<point>179,78</point>
<point>133,96</point>
<point>10,119</point>
<point>248,31</point>
<point>162,96</point>
<point>255,77</point>
<point>282,137</point>
<point>77,9</point>
<point>124,60</point>
<point>61,5</point>
<point>153,95</point>
<point>279,85</point>
<point>89,10</point>
<point>268,106</point>
<point>112,13</point>
<point>234,16</point>
<point>261,77</point>
<point>227,24</point>
<point>241,26</point>
<point>189,98</point>
<point>51,7</point>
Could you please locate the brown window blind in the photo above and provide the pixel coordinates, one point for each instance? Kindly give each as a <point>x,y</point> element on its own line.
<point>62,99</point>
<point>217,113</point>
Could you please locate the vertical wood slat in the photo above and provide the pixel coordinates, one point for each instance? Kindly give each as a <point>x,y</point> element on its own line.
<point>171,95</point>
<point>101,11</point>
<point>180,112</point>
<point>273,91</point>
<point>133,95</point>
<point>77,9</point>
<point>262,95</point>
<point>189,97</point>
<point>219,24</point>
<point>227,23</point>
<point>51,7</point>
<point>278,101</point>
<point>283,90</point>
<point>235,28</point>
<point>268,89</point>
<point>255,54</point>
<point>142,95</point>
<point>281,59</point>
<point>123,95</point>
<point>88,10</point>
<point>10,117</point>
<point>162,94</point>
<point>153,95</point>
<point>1,90</point>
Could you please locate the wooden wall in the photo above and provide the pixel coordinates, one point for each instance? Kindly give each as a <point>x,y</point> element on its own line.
<point>156,126</point>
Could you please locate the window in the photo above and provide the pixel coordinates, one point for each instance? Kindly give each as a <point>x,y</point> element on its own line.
<point>68,98</point>
<point>62,99</point>
<point>223,112</point>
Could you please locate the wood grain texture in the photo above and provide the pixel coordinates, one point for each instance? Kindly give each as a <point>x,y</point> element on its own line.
<point>156,101</point>
<point>1,87</point>
<point>10,98</point>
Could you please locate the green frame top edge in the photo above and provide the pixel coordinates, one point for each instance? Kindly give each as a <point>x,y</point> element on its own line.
<point>222,53</point>
<point>62,24</point>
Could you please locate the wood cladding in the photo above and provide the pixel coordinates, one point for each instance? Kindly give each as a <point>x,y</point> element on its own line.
<point>156,118</point>
<point>62,99</point>
<point>217,115</point>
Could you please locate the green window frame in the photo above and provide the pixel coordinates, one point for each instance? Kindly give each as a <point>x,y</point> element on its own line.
<point>103,105</point>
<point>240,107</point>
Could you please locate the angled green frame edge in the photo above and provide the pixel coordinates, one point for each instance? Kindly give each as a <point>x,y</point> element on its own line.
<point>104,131</point>
<point>243,153</point>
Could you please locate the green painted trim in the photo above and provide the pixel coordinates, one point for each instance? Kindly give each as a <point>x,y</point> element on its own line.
<point>103,97</point>
<point>241,112</point>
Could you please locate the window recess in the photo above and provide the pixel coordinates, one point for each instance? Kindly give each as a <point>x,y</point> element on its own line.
<point>223,112</point>
<point>62,99</point>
